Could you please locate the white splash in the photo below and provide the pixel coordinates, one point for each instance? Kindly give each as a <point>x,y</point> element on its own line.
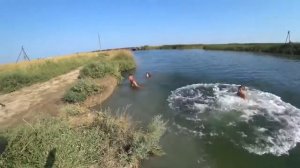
<point>261,124</point>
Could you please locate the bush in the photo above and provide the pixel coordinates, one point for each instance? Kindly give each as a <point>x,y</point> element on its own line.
<point>99,70</point>
<point>81,90</point>
<point>109,142</point>
<point>74,97</point>
<point>124,60</point>
<point>125,65</point>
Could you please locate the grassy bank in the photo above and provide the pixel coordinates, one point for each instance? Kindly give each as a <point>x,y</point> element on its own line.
<point>118,62</point>
<point>107,141</point>
<point>276,48</point>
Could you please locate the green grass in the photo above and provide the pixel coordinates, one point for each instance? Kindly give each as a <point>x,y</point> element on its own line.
<point>81,90</point>
<point>109,142</point>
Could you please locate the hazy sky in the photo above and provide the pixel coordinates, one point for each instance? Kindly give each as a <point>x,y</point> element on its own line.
<point>54,27</point>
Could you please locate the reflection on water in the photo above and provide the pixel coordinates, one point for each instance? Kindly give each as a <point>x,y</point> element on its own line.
<point>172,69</point>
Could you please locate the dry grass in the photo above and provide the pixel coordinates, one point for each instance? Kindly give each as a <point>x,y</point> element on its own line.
<point>11,67</point>
<point>26,65</point>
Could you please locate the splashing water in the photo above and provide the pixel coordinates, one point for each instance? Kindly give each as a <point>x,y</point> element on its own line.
<point>262,124</point>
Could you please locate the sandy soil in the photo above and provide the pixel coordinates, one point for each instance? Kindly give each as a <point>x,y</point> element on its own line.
<point>45,99</point>
<point>109,83</point>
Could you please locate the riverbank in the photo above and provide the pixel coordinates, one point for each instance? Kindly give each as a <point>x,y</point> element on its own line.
<point>95,139</point>
<point>286,50</point>
<point>46,98</point>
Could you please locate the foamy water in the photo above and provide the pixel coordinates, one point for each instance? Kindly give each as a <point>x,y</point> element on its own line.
<point>262,124</point>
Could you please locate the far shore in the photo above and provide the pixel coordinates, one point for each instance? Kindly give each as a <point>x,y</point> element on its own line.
<point>290,50</point>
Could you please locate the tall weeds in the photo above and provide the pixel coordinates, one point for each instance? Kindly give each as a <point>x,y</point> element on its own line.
<point>108,142</point>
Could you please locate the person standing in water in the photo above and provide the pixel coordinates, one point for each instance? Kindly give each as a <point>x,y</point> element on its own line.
<point>133,82</point>
<point>242,92</point>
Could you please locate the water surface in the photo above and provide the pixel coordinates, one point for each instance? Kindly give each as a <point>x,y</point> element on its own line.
<point>221,146</point>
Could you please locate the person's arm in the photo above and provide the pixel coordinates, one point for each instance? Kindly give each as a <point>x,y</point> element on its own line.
<point>136,84</point>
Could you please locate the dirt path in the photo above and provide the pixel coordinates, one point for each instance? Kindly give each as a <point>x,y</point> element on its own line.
<point>38,99</point>
<point>44,99</point>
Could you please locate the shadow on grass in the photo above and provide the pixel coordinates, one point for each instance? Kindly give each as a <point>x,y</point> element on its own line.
<point>50,159</point>
<point>3,144</point>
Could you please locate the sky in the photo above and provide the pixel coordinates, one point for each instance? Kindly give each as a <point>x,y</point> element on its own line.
<point>57,27</point>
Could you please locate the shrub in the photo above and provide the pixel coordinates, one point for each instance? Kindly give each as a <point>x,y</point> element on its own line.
<point>148,144</point>
<point>81,90</point>
<point>74,97</point>
<point>99,70</point>
<point>124,61</point>
<point>125,65</point>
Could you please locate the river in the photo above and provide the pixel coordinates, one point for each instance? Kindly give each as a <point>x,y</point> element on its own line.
<point>208,125</point>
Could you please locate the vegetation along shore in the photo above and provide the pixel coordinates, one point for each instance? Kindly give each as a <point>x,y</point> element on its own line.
<point>47,120</point>
<point>287,50</point>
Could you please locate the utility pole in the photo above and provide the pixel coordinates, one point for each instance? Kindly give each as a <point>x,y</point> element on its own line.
<point>288,38</point>
<point>289,43</point>
<point>24,55</point>
<point>99,42</point>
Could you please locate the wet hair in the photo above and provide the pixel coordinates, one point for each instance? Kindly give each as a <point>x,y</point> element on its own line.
<point>242,87</point>
<point>148,74</point>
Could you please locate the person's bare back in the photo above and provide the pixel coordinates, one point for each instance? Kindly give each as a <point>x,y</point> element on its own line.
<point>133,82</point>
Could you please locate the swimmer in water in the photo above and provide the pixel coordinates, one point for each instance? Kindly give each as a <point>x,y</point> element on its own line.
<point>148,75</point>
<point>133,82</point>
<point>242,92</point>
